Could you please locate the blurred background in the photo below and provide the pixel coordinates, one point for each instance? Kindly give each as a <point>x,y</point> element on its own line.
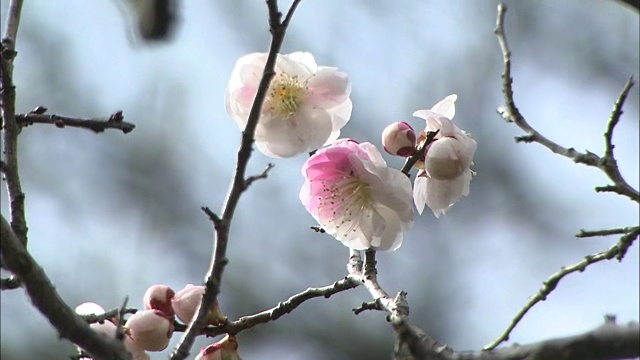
<point>111,214</point>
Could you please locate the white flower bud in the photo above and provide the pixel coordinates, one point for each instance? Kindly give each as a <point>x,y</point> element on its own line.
<point>399,139</point>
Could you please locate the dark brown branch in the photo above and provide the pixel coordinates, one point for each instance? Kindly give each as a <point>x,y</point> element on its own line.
<point>262,175</point>
<point>10,283</point>
<point>617,251</point>
<point>510,113</point>
<point>419,153</point>
<point>10,128</point>
<point>46,299</point>
<point>635,4</point>
<point>219,259</point>
<point>115,121</point>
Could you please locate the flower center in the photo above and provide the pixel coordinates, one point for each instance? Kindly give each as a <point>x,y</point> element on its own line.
<point>344,203</point>
<point>286,95</point>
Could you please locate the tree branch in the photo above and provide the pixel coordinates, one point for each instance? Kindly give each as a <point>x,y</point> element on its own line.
<point>115,121</point>
<point>617,251</point>
<point>510,113</point>
<point>10,128</point>
<point>45,298</point>
<point>238,185</point>
<point>584,233</point>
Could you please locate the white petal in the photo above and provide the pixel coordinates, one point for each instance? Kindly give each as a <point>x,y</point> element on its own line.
<point>420,192</point>
<point>328,88</point>
<point>446,106</point>
<point>304,58</point>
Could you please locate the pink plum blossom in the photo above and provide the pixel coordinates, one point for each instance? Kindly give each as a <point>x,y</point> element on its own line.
<point>225,349</point>
<point>159,297</point>
<point>356,197</point>
<point>150,329</point>
<point>399,139</point>
<point>305,108</point>
<point>445,172</point>
<point>186,301</point>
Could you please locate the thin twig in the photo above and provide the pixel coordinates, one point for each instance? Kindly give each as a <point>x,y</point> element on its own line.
<point>419,153</point>
<point>510,113</point>
<point>262,175</point>
<point>617,251</point>
<point>108,315</point>
<point>219,259</point>
<point>591,233</point>
<point>10,127</point>
<point>96,125</point>
<point>46,299</point>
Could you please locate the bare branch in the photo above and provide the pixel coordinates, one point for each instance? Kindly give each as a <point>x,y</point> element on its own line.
<point>10,283</point>
<point>635,4</point>
<point>219,259</point>
<point>46,299</point>
<point>510,113</point>
<point>584,233</point>
<point>262,175</point>
<point>617,251</point>
<point>10,128</point>
<point>115,121</point>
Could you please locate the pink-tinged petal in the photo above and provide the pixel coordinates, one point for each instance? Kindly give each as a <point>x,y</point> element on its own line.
<point>287,64</point>
<point>442,194</point>
<point>420,192</point>
<point>399,139</point>
<point>355,197</point>
<point>328,88</point>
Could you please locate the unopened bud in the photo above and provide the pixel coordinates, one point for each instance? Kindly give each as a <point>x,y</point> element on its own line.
<point>225,349</point>
<point>158,297</point>
<point>150,329</point>
<point>186,302</point>
<point>399,139</point>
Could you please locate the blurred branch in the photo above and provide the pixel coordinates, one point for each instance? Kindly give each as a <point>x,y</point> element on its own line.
<point>10,283</point>
<point>617,251</point>
<point>584,233</point>
<point>510,113</point>
<point>239,183</point>
<point>115,121</point>
<point>44,297</point>
<point>633,3</point>
<point>10,128</point>
<point>607,342</point>
<point>113,313</point>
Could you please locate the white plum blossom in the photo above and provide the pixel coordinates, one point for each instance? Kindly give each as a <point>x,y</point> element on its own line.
<point>305,107</point>
<point>445,173</point>
<point>356,197</point>
<point>399,139</point>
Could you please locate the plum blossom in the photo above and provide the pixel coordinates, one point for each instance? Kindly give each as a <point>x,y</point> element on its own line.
<point>399,139</point>
<point>305,107</point>
<point>356,197</point>
<point>225,349</point>
<point>186,301</point>
<point>445,173</point>
<point>150,329</point>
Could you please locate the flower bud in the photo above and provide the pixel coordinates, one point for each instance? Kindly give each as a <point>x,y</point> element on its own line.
<point>186,301</point>
<point>399,139</point>
<point>158,297</point>
<point>150,329</point>
<point>225,349</point>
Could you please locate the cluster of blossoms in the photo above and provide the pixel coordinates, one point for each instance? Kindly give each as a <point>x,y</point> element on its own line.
<point>151,329</point>
<point>348,188</point>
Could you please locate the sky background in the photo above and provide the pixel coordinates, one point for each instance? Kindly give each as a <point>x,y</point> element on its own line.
<point>111,214</point>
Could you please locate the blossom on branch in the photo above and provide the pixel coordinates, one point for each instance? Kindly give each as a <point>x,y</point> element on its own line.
<point>159,297</point>
<point>150,329</point>
<point>305,107</point>
<point>356,197</point>
<point>445,173</point>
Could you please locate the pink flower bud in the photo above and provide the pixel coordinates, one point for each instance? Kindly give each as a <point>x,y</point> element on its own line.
<point>186,301</point>
<point>150,329</point>
<point>399,139</point>
<point>159,297</point>
<point>225,349</point>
